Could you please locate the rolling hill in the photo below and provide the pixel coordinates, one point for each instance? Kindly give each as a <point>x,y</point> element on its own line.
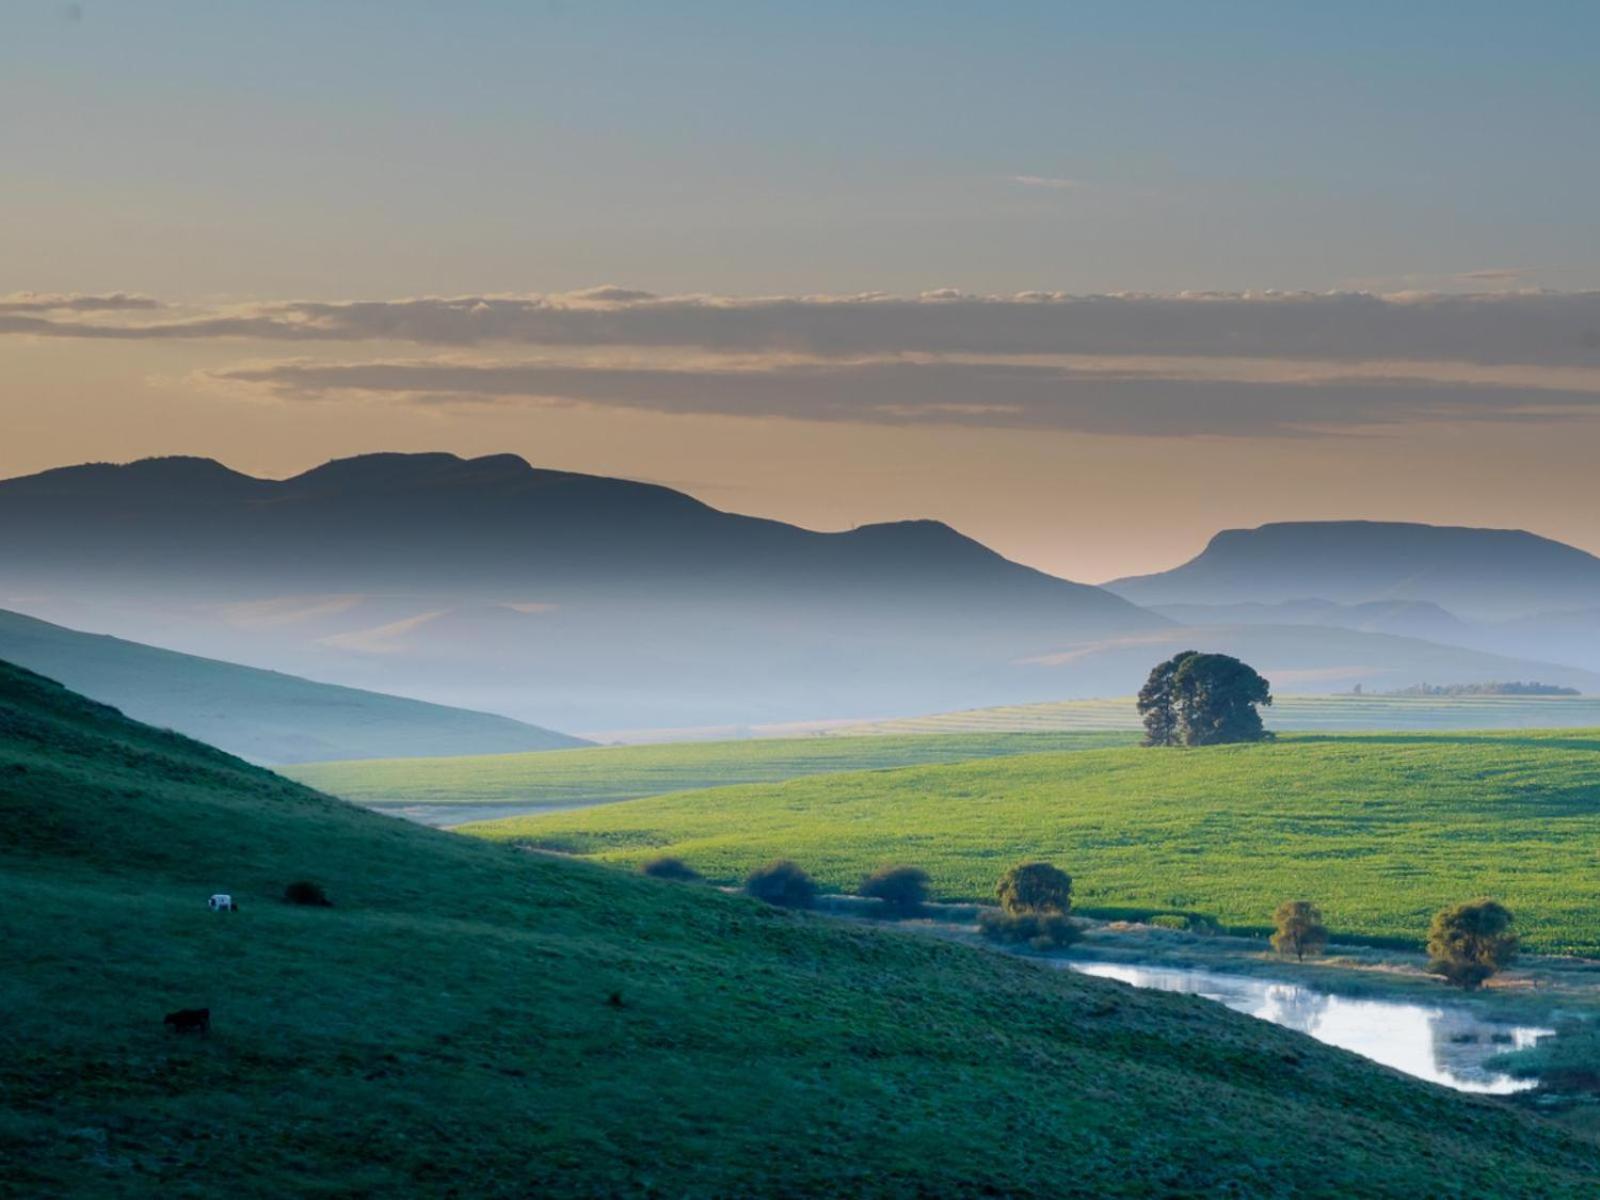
<point>263,716</point>
<point>471,1019</point>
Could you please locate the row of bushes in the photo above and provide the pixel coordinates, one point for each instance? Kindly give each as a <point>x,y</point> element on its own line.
<point>1034,897</point>
<point>1466,944</point>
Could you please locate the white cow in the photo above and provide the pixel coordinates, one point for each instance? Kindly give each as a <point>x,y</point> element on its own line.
<point>222,902</point>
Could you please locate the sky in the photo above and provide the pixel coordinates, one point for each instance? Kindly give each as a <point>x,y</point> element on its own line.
<point>1088,281</point>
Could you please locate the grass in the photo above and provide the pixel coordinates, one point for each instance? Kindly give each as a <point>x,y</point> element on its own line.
<point>1288,713</point>
<point>570,778</point>
<point>447,1027</point>
<point>1380,830</point>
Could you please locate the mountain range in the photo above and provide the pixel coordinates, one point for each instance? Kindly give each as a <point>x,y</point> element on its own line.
<point>589,603</point>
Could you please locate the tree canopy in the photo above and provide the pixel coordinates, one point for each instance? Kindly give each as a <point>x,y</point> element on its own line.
<point>1196,699</point>
<point>1299,929</point>
<point>1468,943</point>
<point>1035,887</point>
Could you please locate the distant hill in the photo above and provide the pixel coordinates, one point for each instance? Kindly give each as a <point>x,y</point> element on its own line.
<point>468,1018</point>
<point>1297,658</point>
<point>1403,618</point>
<point>260,715</point>
<point>572,600</point>
<point>1475,574</point>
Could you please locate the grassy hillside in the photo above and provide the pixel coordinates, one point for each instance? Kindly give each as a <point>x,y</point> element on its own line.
<point>263,715</point>
<point>1288,713</point>
<point>605,773</point>
<point>447,1029</point>
<point>1379,829</point>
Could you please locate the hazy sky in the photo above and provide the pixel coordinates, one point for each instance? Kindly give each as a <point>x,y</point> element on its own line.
<point>828,262</point>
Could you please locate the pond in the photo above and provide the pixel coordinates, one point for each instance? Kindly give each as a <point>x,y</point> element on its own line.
<point>1442,1043</point>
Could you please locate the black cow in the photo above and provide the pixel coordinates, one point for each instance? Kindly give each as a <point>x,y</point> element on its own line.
<point>188,1020</point>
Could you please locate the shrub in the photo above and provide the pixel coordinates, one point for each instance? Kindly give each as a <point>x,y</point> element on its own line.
<point>1035,887</point>
<point>667,867</point>
<point>1300,930</point>
<point>1042,931</point>
<point>903,890</point>
<point>303,891</point>
<point>1169,921</point>
<point>781,883</point>
<point>1468,943</point>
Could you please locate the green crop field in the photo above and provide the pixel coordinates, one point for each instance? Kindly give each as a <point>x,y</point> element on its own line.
<point>1380,830</point>
<point>1288,713</point>
<point>468,1019</point>
<point>570,778</point>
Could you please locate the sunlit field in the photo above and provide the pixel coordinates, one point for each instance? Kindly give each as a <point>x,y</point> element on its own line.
<point>1380,829</point>
<point>569,778</point>
<point>1289,713</point>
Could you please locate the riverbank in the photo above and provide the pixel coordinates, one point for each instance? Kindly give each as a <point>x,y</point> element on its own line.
<point>1561,994</point>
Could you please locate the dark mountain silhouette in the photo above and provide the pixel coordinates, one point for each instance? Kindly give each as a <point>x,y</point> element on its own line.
<point>573,599</point>
<point>1476,574</point>
<point>260,715</point>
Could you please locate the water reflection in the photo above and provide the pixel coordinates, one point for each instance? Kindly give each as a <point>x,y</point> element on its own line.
<point>1445,1044</point>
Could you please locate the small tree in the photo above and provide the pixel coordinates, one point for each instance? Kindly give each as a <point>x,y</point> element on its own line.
<point>1300,929</point>
<point>782,883</point>
<point>1035,887</point>
<point>1469,943</point>
<point>903,890</point>
<point>667,867</point>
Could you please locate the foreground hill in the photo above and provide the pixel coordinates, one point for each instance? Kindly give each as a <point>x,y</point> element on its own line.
<point>572,600</point>
<point>448,1027</point>
<point>1479,574</point>
<point>260,715</point>
<point>1381,830</point>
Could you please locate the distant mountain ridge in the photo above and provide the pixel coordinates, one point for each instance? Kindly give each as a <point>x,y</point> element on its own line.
<point>580,602</point>
<point>574,600</point>
<point>1477,574</point>
<point>263,716</point>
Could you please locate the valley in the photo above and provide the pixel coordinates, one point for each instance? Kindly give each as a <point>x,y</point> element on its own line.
<point>468,1011</point>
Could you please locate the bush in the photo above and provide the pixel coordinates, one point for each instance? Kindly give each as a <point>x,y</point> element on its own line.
<point>1299,929</point>
<point>1042,931</point>
<point>1170,921</point>
<point>782,883</point>
<point>667,867</point>
<point>303,891</point>
<point>1035,887</point>
<point>903,890</point>
<point>1468,943</point>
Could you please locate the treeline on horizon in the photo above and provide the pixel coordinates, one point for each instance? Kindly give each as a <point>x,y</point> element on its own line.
<point>1485,689</point>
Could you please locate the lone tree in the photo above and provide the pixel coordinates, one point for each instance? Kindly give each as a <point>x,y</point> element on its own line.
<point>1300,930</point>
<point>1196,699</point>
<point>1468,943</point>
<point>783,884</point>
<point>1035,887</point>
<point>903,890</point>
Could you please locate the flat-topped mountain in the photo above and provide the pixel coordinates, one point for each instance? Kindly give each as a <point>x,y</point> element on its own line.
<point>1477,574</point>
